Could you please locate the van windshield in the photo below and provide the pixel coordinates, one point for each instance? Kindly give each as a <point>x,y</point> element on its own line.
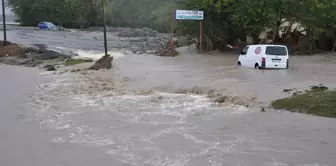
<point>275,50</point>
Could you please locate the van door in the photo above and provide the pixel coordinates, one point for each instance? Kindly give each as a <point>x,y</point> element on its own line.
<point>276,56</point>
<point>243,56</point>
<point>254,56</point>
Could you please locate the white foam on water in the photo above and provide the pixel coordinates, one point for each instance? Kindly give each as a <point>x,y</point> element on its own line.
<point>171,111</point>
<point>82,136</point>
<point>92,54</point>
<point>51,116</point>
<point>95,55</point>
<point>46,73</point>
<point>238,109</point>
<point>92,139</point>
<point>276,163</point>
<point>83,100</point>
<point>59,51</point>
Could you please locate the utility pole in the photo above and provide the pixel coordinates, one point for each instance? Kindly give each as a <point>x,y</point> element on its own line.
<point>105,42</point>
<point>4,22</point>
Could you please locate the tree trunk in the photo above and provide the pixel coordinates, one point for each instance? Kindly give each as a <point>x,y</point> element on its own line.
<point>255,38</point>
<point>277,32</point>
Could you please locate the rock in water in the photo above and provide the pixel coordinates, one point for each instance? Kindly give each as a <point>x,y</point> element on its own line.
<point>103,63</point>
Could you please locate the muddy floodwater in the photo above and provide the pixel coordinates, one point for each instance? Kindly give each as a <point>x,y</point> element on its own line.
<point>136,113</point>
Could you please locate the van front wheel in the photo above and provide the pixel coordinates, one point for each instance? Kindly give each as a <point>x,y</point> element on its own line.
<point>256,66</point>
<point>239,64</point>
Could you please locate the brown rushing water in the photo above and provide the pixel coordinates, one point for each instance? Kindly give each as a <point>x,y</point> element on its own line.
<point>101,118</point>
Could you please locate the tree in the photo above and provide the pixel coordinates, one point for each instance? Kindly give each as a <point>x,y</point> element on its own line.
<point>68,12</point>
<point>226,21</point>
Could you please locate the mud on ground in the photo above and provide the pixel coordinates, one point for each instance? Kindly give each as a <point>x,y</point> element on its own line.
<point>34,56</point>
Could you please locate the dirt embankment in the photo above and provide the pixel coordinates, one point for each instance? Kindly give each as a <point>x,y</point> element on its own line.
<point>40,56</point>
<point>34,56</point>
<point>11,49</point>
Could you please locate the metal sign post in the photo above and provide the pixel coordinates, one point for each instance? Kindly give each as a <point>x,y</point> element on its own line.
<point>188,15</point>
<point>4,22</point>
<point>201,36</point>
<point>172,28</point>
<point>105,42</point>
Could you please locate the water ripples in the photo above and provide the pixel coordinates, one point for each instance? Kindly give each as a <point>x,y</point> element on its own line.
<point>130,124</point>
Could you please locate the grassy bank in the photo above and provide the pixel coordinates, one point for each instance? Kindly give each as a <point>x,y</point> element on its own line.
<point>317,101</point>
<point>71,62</point>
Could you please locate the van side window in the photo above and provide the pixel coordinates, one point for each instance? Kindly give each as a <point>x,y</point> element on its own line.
<point>244,51</point>
<point>276,50</point>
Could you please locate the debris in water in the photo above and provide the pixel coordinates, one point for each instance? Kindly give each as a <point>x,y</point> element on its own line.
<point>126,79</point>
<point>167,51</point>
<point>144,92</point>
<point>156,98</point>
<point>319,87</point>
<point>287,90</point>
<point>194,90</point>
<point>297,93</point>
<point>50,67</point>
<point>221,99</point>
<point>75,70</point>
<point>263,109</point>
<point>103,63</point>
<point>217,97</point>
<point>227,100</point>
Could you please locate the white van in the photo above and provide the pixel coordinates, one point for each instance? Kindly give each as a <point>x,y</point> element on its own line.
<point>264,56</point>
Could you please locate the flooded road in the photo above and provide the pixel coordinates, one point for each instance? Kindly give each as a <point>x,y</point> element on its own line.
<point>211,71</point>
<point>133,115</point>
